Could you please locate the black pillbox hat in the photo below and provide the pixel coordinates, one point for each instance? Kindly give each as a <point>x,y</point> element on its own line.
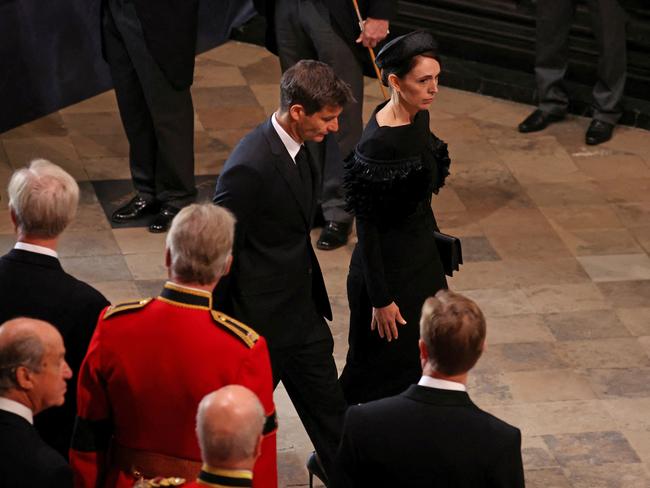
<point>405,47</point>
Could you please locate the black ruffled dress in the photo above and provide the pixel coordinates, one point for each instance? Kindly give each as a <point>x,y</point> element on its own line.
<point>389,181</point>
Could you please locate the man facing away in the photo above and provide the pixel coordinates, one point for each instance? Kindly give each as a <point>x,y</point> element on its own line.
<point>42,202</point>
<point>271,184</point>
<point>229,425</point>
<point>150,362</point>
<point>432,434</point>
<point>33,375</point>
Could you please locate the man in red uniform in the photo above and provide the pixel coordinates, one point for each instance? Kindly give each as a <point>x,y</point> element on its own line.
<point>151,361</point>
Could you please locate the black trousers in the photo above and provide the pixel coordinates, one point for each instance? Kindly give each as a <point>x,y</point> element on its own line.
<point>158,119</point>
<point>308,373</point>
<point>304,31</point>
<point>553,24</point>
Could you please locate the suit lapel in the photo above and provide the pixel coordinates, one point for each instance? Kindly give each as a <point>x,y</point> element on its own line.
<point>287,168</point>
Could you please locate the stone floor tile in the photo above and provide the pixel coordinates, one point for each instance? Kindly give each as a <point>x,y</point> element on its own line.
<point>487,389</point>
<point>149,288</point>
<point>266,70</point>
<point>447,201</point>
<point>236,54</point>
<point>97,268</point>
<point>499,302</point>
<point>7,242</point>
<point>206,164</point>
<point>617,267</point>
<point>230,137</point>
<point>591,448</point>
<point>457,102</point>
<point>50,125</point>
<point>565,298</point>
<point>626,190</point>
<point>554,418</point>
<point>517,328</point>
<point>642,235</point>
<point>536,455</point>
<point>590,324</point>
<point>93,123</point>
<point>633,214</point>
<point>216,118</point>
<point>558,195</point>
<point>100,145</point>
<point>613,166</point>
<point>204,142</point>
<point>630,140</point>
<point>631,414</point>
<point>208,74</point>
<point>59,150</point>
<point>609,476</point>
<point>636,320</point>
<point>89,218</point>
<point>6,226</point>
<point>644,341</point>
<point>139,241</point>
<point>84,243</point>
<point>546,478</point>
<point>117,291</point>
<point>146,266</point>
<point>538,244</point>
<point>640,442</point>
<point>508,114</point>
<point>596,242</point>
<point>603,353</point>
<point>626,294</point>
<point>584,217</point>
<point>458,223</point>
<point>478,248</point>
<point>528,356</point>
<point>621,383</point>
<point>223,97</point>
<point>268,96</point>
<point>560,271</point>
<point>116,168</point>
<point>104,102</point>
<point>548,385</point>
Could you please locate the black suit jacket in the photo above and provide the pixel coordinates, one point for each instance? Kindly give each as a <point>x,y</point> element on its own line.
<point>35,285</point>
<point>344,19</point>
<point>428,437</point>
<point>169,28</point>
<point>25,460</point>
<point>275,281</point>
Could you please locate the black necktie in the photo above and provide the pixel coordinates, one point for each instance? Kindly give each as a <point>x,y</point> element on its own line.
<point>304,170</point>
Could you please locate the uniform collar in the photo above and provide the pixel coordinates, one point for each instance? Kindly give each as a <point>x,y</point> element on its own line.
<point>186,296</point>
<point>210,476</point>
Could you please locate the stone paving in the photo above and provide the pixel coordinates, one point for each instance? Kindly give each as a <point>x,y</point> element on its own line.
<point>556,238</point>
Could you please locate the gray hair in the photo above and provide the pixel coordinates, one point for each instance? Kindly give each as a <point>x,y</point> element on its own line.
<point>43,198</point>
<point>24,349</point>
<point>219,440</point>
<point>200,241</point>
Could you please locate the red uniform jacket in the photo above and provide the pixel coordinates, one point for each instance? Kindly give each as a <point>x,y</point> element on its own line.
<point>148,366</point>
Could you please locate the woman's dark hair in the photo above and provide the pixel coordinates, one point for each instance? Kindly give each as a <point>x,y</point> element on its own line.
<point>406,65</point>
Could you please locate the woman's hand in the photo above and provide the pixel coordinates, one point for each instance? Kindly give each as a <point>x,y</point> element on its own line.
<point>385,320</point>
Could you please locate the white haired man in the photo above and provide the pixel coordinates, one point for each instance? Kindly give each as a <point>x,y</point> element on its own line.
<point>229,425</point>
<point>33,375</point>
<point>42,202</point>
<point>150,362</point>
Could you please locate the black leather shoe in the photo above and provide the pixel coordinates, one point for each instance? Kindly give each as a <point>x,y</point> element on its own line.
<point>333,236</point>
<point>599,132</point>
<point>136,208</point>
<point>315,468</point>
<point>538,120</point>
<point>161,222</point>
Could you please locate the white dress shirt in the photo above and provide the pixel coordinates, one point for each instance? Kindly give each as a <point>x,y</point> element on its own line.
<point>18,408</point>
<point>441,384</point>
<point>24,246</point>
<point>292,146</point>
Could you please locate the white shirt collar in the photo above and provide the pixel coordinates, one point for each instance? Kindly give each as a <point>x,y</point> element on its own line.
<point>37,249</point>
<point>18,408</point>
<point>292,146</point>
<point>441,384</point>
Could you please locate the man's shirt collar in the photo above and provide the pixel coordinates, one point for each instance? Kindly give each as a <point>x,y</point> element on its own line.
<point>24,246</point>
<point>441,384</point>
<point>17,408</point>
<point>292,146</point>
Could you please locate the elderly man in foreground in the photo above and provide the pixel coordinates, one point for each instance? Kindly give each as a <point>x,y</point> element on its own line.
<point>33,375</point>
<point>229,426</point>
<point>42,202</point>
<point>432,434</point>
<point>150,362</point>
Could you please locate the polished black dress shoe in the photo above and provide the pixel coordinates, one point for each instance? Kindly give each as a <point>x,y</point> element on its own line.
<point>333,235</point>
<point>538,120</point>
<point>315,468</point>
<point>162,221</point>
<point>135,209</point>
<point>599,132</point>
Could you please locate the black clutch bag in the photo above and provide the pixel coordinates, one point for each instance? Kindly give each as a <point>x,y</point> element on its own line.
<point>451,254</point>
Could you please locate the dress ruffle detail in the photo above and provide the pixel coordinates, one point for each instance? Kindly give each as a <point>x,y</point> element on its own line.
<point>440,154</point>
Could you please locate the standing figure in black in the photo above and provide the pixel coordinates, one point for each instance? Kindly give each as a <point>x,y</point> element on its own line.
<point>395,265</point>
<point>552,60</point>
<point>150,49</point>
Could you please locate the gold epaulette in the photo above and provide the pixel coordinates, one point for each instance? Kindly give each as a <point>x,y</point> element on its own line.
<point>235,327</point>
<point>124,307</point>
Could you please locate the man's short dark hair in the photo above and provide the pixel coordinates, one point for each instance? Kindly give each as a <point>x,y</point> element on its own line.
<point>314,85</point>
<point>453,329</point>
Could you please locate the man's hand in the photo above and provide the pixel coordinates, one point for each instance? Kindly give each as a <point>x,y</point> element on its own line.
<point>373,32</point>
<point>385,320</point>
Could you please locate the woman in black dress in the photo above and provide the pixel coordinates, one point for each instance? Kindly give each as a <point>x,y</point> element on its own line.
<point>395,265</point>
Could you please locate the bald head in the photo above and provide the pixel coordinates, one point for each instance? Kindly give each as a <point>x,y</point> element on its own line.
<point>33,370</point>
<point>229,425</point>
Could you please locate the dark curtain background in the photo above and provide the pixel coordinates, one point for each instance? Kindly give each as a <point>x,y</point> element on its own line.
<point>50,52</point>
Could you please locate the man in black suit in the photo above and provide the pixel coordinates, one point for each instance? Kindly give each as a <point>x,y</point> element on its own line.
<point>42,202</point>
<point>432,434</point>
<point>271,184</point>
<point>150,48</point>
<point>329,32</point>
<point>33,375</point>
